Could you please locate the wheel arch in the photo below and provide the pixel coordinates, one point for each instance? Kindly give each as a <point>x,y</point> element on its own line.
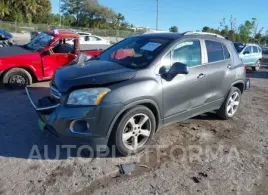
<point>150,104</point>
<point>29,70</point>
<point>240,85</point>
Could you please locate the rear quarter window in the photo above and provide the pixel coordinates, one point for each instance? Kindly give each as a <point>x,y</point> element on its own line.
<point>226,53</point>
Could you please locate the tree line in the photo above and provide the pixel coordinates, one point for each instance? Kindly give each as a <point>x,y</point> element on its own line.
<point>82,13</point>
<point>247,32</point>
<point>91,14</point>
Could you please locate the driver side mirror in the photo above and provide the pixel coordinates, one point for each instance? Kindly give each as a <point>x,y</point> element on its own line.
<point>246,52</point>
<point>178,68</point>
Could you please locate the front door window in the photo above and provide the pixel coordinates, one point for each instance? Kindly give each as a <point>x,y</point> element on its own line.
<point>187,52</point>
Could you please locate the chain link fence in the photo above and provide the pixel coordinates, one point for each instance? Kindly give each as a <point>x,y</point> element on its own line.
<point>15,27</point>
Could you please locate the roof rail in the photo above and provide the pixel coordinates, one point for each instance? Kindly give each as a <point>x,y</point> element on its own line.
<point>202,33</point>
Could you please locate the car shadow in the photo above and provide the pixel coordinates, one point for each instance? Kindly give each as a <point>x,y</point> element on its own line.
<point>207,116</point>
<point>20,136</point>
<point>261,74</point>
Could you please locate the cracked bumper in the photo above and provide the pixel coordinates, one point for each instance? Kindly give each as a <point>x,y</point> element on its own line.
<point>57,119</point>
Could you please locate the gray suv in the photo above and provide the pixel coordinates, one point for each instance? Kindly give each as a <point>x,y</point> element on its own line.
<point>140,85</point>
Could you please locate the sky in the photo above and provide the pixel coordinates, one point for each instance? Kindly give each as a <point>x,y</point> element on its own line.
<point>187,15</point>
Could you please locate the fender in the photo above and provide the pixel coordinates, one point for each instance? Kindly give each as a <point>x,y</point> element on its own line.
<point>236,82</point>
<point>126,107</point>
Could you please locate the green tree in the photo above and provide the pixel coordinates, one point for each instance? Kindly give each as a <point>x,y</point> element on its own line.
<point>24,10</point>
<point>173,29</point>
<point>206,29</point>
<point>73,7</point>
<point>117,20</point>
<point>246,32</point>
<point>4,8</point>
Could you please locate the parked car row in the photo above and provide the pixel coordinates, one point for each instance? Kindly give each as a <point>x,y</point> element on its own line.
<point>85,37</point>
<point>137,86</point>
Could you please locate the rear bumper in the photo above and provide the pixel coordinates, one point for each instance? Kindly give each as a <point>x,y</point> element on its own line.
<point>58,119</point>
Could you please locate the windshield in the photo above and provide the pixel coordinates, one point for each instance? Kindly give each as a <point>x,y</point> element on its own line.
<point>239,47</point>
<point>4,35</point>
<point>39,42</point>
<point>135,52</point>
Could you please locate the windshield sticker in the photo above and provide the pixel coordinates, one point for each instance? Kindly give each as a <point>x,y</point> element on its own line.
<point>151,46</point>
<point>187,43</point>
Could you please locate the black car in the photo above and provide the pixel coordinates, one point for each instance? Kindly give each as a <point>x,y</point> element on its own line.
<point>265,50</point>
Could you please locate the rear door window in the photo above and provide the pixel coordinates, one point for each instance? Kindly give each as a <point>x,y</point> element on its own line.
<point>92,38</point>
<point>214,51</point>
<point>247,50</point>
<point>255,49</point>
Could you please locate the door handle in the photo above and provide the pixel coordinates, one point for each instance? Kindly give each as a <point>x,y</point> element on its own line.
<point>229,66</point>
<point>201,75</point>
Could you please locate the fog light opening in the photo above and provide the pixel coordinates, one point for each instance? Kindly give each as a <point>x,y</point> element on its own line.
<point>80,127</point>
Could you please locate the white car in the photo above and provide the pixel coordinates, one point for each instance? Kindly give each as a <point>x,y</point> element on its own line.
<point>83,33</point>
<point>93,39</point>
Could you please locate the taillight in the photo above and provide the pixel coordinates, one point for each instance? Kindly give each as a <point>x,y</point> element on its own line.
<point>245,67</point>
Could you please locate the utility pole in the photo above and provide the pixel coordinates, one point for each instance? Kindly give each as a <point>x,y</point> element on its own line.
<point>60,10</point>
<point>157,12</point>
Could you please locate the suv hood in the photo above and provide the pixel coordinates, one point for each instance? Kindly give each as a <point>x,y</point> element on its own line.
<point>93,73</point>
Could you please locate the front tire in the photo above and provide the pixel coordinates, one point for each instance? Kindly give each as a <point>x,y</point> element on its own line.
<point>134,131</point>
<point>17,78</point>
<point>231,104</point>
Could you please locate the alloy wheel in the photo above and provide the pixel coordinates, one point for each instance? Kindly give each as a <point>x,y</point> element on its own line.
<point>258,65</point>
<point>136,131</point>
<point>233,104</point>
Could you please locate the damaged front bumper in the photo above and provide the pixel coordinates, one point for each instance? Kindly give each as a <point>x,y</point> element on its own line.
<point>85,125</point>
<point>37,108</point>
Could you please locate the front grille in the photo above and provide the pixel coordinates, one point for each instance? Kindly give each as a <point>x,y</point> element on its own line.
<point>55,92</point>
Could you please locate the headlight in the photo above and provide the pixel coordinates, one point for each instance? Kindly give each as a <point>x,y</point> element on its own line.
<point>87,96</point>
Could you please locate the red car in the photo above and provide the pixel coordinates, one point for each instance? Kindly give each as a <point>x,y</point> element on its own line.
<point>38,60</point>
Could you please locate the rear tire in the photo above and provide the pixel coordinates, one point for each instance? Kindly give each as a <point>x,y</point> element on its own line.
<point>230,105</point>
<point>134,131</point>
<point>17,78</point>
<point>257,67</point>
